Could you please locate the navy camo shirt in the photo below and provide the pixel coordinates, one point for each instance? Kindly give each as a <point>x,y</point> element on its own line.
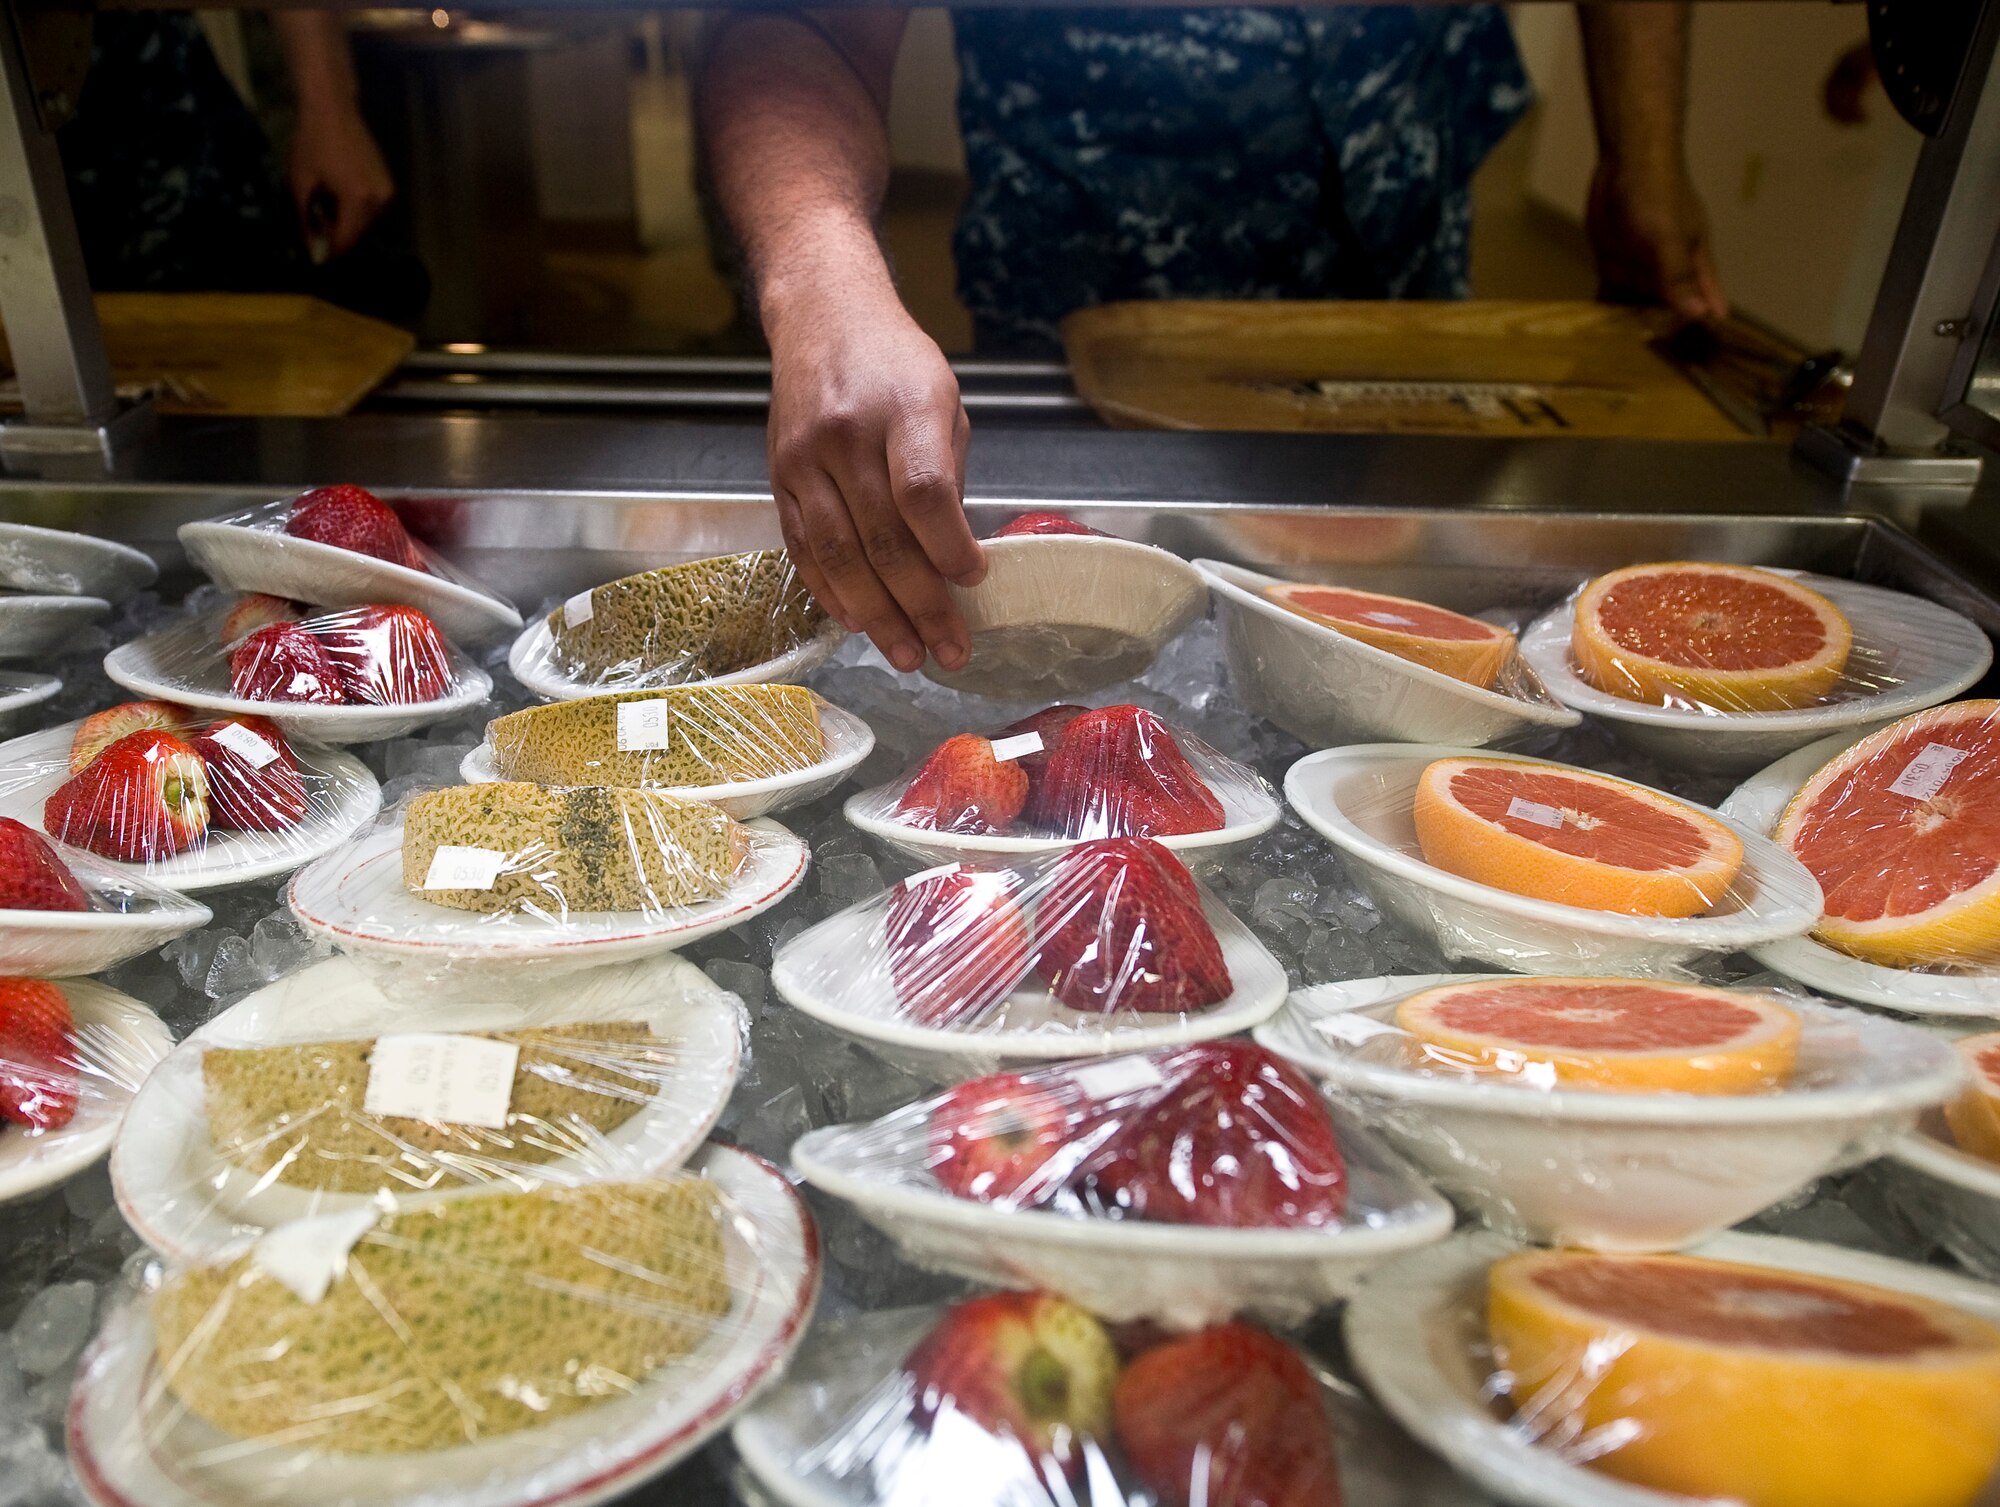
<point>1137,153</point>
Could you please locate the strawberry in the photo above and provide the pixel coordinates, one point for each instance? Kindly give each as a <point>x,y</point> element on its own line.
<point>254,783</point>
<point>1236,1137</point>
<point>1026,1366</point>
<point>284,663</point>
<point>1227,1417</point>
<point>385,655</point>
<point>1048,725</point>
<point>1119,773</point>
<point>100,730</point>
<point>1044,523</point>
<point>354,518</point>
<point>144,797</point>
<point>38,1078</point>
<point>1121,928</point>
<point>32,874</point>
<point>958,944</point>
<point>963,788</point>
<point>247,614</point>
<point>1007,1138</point>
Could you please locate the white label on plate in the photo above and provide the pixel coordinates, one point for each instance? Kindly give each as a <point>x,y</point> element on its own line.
<point>642,725</point>
<point>247,745</point>
<point>1389,619</point>
<point>461,868</point>
<point>441,1077</point>
<point>577,610</point>
<point>1355,1029</point>
<point>1016,747</point>
<point>1119,1075</point>
<point>307,1254</point>
<point>1534,811</point>
<point>1924,776</point>
<point>922,874</point>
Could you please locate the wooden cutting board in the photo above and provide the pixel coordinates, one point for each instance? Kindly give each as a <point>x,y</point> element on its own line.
<point>248,354</point>
<point>1484,368</point>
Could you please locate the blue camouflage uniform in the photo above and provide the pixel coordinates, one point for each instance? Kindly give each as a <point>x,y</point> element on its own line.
<point>1138,153</point>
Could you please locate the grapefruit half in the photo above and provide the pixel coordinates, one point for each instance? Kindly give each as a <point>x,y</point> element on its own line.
<point>1770,1388</point>
<point>1723,636</point>
<point>1448,642</point>
<point>1626,1035</point>
<point>1573,837</point>
<point>1902,831</point>
<point>1974,1117</point>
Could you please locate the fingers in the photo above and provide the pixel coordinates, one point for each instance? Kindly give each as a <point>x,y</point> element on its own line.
<point>798,545</point>
<point>899,559</point>
<point>843,562</point>
<point>926,481</point>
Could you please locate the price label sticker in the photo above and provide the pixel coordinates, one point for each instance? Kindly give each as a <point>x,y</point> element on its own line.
<point>642,725</point>
<point>1018,746</point>
<point>1354,1029</point>
<point>1119,1075</point>
<point>578,610</point>
<point>1534,811</point>
<point>1924,776</point>
<point>252,748</point>
<point>462,868</point>
<point>440,1077</point>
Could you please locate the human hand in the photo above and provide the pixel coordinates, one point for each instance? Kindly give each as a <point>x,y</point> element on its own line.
<point>867,452</point>
<point>1650,235</point>
<point>336,163</point>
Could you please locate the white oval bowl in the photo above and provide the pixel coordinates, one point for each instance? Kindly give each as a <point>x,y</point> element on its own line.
<point>21,690</point>
<point>1952,1196</point>
<point>529,662</point>
<point>33,626</point>
<point>130,915</point>
<point>61,563</point>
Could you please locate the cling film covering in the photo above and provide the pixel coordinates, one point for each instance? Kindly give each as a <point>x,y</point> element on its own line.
<point>64,911</point>
<point>343,517</point>
<point>72,1054</point>
<point>684,737</point>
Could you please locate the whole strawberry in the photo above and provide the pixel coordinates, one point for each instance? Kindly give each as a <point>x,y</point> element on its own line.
<point>1048,725</point>
<point>254,784</point>
<point>1043,523</point>
<point>962,787</point>
<point>1227,1417</point>
<point>32,874</point>
<point>100,730</point>
<point>38,1076</point>
<point>284,663</point>
<point>385,655</point>
<point>1009,1138</point>
<point>1119,772</point>
<point>350,517</point>
<point>249,613</point>
<point>958,944</point>
<point>1121,927</point>
<point>145,797</point>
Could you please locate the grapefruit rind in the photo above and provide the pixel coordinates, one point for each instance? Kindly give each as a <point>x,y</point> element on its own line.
<point>1974,1117</point>
<point>1476,660</point>
<point>1742,1419</point>
<point>1963,928</point>
<point>1756,1059</point>
<point>1626,672</point>
<point>1460,842</point>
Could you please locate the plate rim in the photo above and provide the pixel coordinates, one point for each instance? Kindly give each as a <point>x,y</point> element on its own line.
<point>798,661</point>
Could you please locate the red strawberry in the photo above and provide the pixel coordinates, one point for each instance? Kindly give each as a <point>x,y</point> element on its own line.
<point>247,614</point>
<point>350,517</point>
<point>38,1078</point>
<point>1028,1366</point>
<point>1236,1137</point>
<point>1227,1417</point>
<point>1008,1138</point>
<point>1044,523</point>
<point>100,730</point>
<point>385,655</point>
<point>144,797</point>
<point>284,663</point>
<point>254,783</point>
<point>1121,928</point>
<point>1048,725</point>
<point>958,944</point>
<point>32,874</point>
<point>1119,773</point>
<point>963,788</point>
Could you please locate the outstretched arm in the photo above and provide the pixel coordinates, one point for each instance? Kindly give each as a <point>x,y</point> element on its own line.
<point>867,435</point>
<point>334,158</point>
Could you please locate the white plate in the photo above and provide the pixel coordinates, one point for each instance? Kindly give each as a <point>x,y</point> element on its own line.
<point>1038,1027</point>
<point>120,1039</point>
<point>1358,799</point>
<point>61,563</point>
<point>1062,614</point>
<point>21,689</point>
<point>1758,803</point>
<point>848,740</point>
<point>188,1202</point>
<point>130,916</point>
<point>269,560</point>
<point>1951,1196</point>
<point>355,900</point>
<point>1626,1171</point>
<point>1182,1275</point>
<point>1416,1333</point>
<point>1326,688</point>
<point>530,663</point>
<point>31,626</point>
<point>183,664</point>
<point>1930,652</point>
<point>591,1456</point>
<point>342,795</point>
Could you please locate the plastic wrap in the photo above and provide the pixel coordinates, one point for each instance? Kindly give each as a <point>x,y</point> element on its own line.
<point>1544,868</point>
<point>189,798</point>
<point>1064,774</point>
<point>62,563</point>
<point>65,912</point>
<point>1109,946</point>
<point>1620,1114</point>
<point>493,1346</point>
